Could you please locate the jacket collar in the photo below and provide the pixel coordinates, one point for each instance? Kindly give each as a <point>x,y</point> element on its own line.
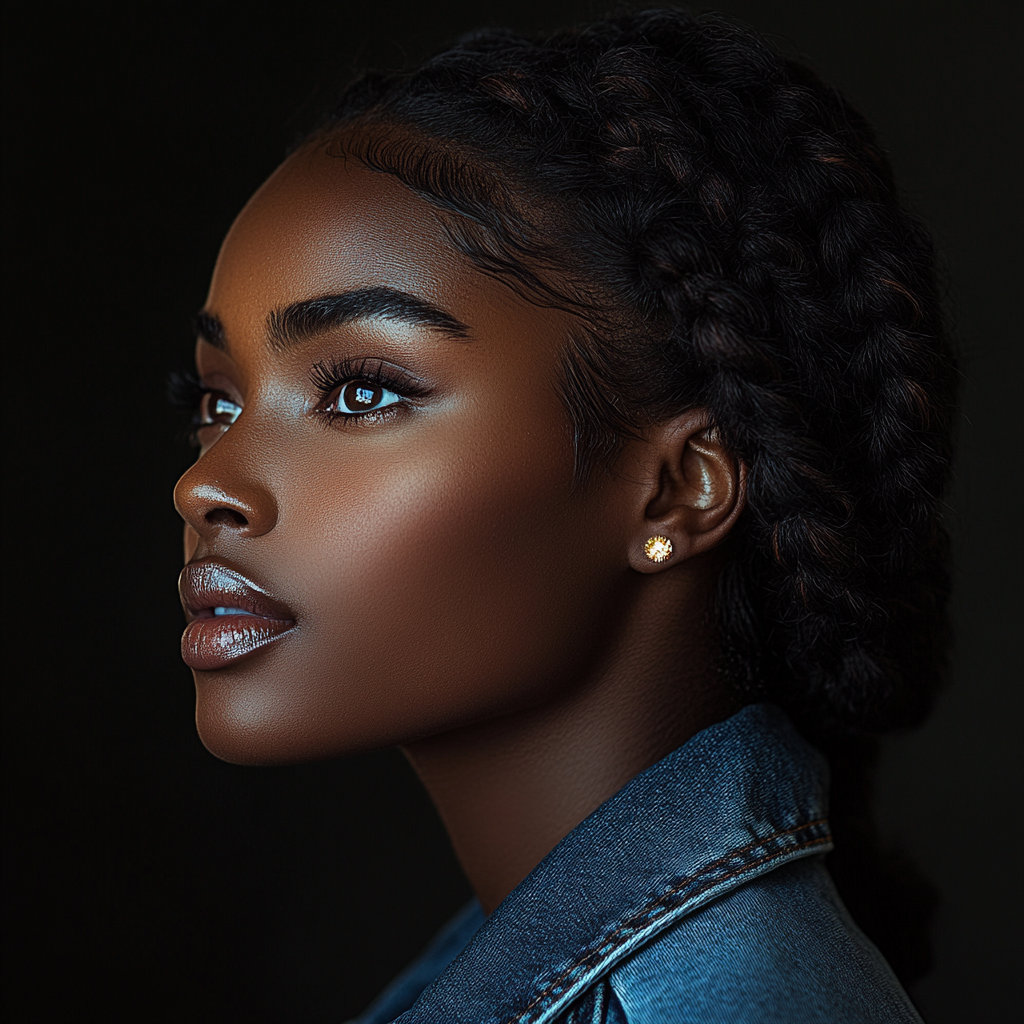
<point>734,802</point>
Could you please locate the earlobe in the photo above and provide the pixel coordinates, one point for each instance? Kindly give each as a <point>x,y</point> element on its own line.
<point>695,493</point>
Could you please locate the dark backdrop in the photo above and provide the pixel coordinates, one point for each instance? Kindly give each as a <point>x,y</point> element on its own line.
<point>145,880</point>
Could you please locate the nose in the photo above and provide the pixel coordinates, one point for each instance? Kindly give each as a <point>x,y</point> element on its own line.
<point>211,502</point>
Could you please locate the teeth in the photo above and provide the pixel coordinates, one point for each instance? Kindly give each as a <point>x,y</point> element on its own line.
<point>230,611</point>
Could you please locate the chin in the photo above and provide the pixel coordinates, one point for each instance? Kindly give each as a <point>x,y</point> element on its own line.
<point>250,717</point>
<point>247,724</point>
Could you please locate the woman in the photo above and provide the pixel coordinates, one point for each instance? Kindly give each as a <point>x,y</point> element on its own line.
<point>574,414</point>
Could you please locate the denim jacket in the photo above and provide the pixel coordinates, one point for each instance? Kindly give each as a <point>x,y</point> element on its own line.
<point>698,893</point>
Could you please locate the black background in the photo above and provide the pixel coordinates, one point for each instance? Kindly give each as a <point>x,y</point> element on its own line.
<point>144,880</point>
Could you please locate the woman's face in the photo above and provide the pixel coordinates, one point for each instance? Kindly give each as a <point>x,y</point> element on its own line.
<point>384,543</point>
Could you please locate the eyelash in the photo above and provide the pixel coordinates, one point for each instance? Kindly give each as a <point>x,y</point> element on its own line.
<point>185,390</point>
<point>185,393</point>
<point>327,377</point>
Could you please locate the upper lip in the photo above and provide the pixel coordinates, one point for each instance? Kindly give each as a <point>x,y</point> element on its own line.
<point>208,584</point>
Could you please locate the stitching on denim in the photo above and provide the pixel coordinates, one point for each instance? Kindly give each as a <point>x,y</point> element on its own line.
<point>650,912</point>
<point>655,909</point>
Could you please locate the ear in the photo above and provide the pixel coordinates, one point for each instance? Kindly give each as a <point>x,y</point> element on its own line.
<point>690,490</point>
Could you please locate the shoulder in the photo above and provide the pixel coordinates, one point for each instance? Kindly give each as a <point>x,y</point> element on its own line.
<point>780,949</point>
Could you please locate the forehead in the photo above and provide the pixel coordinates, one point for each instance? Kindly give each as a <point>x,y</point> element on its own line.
<point>324,224</point>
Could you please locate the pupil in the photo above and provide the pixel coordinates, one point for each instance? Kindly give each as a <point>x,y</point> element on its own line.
<point>361,395</point>
<point>216,407</point>
<point>225,408</point>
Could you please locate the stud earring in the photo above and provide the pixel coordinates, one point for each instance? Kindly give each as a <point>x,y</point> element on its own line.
<point>658,549</point>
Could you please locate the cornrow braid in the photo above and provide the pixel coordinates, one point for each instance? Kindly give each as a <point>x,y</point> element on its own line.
<point>729,234</point>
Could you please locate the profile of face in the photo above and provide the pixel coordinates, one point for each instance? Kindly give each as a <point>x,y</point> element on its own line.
<point>384,532</point>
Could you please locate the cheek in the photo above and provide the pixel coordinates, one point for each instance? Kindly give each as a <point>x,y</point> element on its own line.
<point>444,586</point>
<point>439,576</point>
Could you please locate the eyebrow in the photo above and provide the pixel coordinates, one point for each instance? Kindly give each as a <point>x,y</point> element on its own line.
<point>210,329</point>
<point>304,320</point>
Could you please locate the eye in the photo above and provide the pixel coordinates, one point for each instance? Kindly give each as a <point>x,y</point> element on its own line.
<point>368,391</point>
<point>215,407</point>
<point>359,396</point>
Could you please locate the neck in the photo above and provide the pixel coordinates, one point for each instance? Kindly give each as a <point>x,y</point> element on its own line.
<point>509,789</point>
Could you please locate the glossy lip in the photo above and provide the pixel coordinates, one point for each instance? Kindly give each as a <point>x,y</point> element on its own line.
<point>212,641</point>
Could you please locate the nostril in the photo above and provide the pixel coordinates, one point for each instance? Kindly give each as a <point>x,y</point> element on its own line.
<point>245,509</point>
<point>226,517</point>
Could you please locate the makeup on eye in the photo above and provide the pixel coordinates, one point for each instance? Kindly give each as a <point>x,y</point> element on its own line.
<point>348,389</point>
<point>352,389</point>
<point>215,412</point>
<point>207,406</point>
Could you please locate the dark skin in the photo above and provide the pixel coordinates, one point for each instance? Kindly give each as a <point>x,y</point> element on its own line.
<point>437,581</point>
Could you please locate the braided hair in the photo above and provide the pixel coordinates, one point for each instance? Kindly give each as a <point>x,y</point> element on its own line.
<point>728,233</point>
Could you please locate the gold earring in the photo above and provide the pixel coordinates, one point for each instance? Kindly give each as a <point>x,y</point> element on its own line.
<point>658,549</point>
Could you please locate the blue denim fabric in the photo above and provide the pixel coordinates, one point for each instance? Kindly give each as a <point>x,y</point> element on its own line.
<point>698,893</point>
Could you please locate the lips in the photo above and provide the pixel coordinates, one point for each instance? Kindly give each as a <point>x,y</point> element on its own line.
<point>230,617</point>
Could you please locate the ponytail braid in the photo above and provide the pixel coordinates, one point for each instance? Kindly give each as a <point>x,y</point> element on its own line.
<point>731,237</point>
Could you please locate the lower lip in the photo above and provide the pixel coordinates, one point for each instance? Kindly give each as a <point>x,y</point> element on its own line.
<point>214,642</point>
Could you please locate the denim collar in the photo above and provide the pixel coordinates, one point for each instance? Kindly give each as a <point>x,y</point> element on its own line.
<point>737,800</point>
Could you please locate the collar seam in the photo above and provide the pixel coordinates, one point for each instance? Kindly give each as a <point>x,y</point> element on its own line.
<point>674,899</point>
